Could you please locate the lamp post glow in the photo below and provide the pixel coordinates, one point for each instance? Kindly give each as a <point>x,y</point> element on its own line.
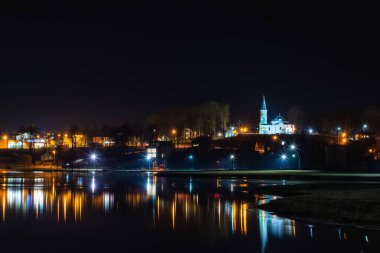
<point>149,158</point>
<point>232,157</point>
<point>294,148</point>
<point>365,127</point>
<point>93,158</point>
<point>191,158</point>
<point>174,133</point>
<point>283,158</point>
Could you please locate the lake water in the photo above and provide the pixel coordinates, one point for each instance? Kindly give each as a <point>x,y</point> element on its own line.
<point>124,211</point>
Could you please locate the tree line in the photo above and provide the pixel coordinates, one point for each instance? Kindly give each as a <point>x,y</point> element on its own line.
<point>349,119</point>
<point>208,118</point>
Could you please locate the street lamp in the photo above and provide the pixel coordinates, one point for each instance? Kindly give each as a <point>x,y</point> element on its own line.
<point>191,158</point>
<point>232,157</point>
<point>294,148</point>
<point>149,158</point>
<point>93,158</point>
<point>311,131</point>
<point>365,127</point>
<point>174,133</point>
<point>283,158</point>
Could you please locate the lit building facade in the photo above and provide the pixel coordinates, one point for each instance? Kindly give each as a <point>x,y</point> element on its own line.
<point>278,125</point>
<point>103,141</point>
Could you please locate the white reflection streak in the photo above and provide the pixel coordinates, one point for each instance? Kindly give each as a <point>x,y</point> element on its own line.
<point>263,230</point>
<point>106,201</point>
<point>38,201</point>
<point>151,188</point>
<point>93,184</point>
<point>219,213</point>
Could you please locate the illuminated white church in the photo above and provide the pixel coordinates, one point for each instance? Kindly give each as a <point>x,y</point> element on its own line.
<point>278,125</point>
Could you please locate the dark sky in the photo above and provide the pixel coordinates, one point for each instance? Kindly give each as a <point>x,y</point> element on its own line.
<point>102,62</point>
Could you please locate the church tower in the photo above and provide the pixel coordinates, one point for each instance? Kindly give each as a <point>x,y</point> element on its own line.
<point>263,113</point>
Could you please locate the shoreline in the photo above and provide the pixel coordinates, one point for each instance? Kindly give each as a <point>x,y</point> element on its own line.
<point>355,205</point>
<point>276,174</point>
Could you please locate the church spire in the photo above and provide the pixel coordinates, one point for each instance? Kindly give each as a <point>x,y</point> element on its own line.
<point>264,105</point>
<point>263,113</point>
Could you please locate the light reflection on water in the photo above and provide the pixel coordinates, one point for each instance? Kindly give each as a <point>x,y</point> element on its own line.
<point>222,208</point>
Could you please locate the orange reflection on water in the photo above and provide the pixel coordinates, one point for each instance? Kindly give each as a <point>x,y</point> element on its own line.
<point>41,196</point>
<point>71,198</point>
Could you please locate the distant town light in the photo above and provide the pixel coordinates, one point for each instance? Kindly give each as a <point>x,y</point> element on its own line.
<point>191,157</point>
<point>149,157</point>
<point>174,131</point>
<point>339,128</point>
<point>283,157</point>
<point>220,134</point>
<point>365,126</point>
<point>232,157</point>
<point>311,131</point>
<point>293,146</point>
<point>283,143</point>
<point>93,157</point>
<point>275,138</point>
<point>293,155</point>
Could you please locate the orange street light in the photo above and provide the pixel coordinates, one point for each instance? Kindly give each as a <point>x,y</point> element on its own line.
<point>275,138</point>
<point>5,137</point>
<point>174,131</point>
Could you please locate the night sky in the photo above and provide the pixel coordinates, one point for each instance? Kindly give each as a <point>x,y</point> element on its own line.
<point>110,63</point>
